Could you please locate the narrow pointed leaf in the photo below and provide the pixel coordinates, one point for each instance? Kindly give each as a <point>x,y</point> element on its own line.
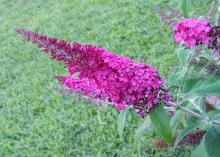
<point>175,118</point>
<point>161,123</point>
<point>142,129</point>
<point>185,7</point>
<point>183,55</point>
<point>121,122</point>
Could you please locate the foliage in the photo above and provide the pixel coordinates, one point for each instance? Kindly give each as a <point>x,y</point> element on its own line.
<point>161,122</point>
<point>194,89</point>
<point>33,119</point>
<point>186,7</point>
<point>37,122</point>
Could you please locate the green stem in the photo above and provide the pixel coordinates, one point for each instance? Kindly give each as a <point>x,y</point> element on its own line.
<point>189,112</point>
<point>216,122</point>
<point>194,114</point>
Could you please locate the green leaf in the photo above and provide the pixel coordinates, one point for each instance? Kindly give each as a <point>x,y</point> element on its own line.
<point>192,121</point>
<point>189,84</point>
<point>121,122</point>
<point>185,131</point>
<point>202,105</point>
<point>99,117</point>
<point>212,142</point>
<point>200,151</point>
<point>213,113</point>
<point>184,55</point>
<point>209,86</point>
<point>178,77</point>
<point>185,7</point>
<point>208,57</point>
<point>134,115</point>
<point>175,119</point>
<point>146,125</point>
<point>216,117</point>
<point>218,19</point>
<point>161,123</point>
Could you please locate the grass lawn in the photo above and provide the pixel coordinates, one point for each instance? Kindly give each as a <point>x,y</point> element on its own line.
<point>34,120</point>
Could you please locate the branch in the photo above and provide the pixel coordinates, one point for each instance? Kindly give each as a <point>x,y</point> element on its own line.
<point>194,114</point>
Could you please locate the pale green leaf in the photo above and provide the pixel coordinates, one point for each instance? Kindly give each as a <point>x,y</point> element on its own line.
<point>183,56</point>
<point>209,86</point>
<point>185,7</point>
<point>161,123</point>
<point>121,122</point>
<point>145,126</point>
<point>212,142</point>
<point>200,150</point>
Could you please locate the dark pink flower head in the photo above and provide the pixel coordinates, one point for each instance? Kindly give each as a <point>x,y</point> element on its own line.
<point>191,32</point>
<point>79,85</point>
<point>98,72</point>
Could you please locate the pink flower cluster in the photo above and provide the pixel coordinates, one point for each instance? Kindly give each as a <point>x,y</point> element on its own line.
<point>191,32</point>
<point>83,86</point>
<point>95,71</point>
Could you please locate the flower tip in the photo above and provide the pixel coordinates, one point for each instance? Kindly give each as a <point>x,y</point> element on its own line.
<point>61,79</point>
<point>18,30</point>
<point>120,107</point>
<point>15,29</point>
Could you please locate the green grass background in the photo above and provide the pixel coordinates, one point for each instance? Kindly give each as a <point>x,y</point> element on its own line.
<point>34,120</point>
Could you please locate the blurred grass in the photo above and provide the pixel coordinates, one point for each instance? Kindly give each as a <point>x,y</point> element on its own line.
<point>34,121</point>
